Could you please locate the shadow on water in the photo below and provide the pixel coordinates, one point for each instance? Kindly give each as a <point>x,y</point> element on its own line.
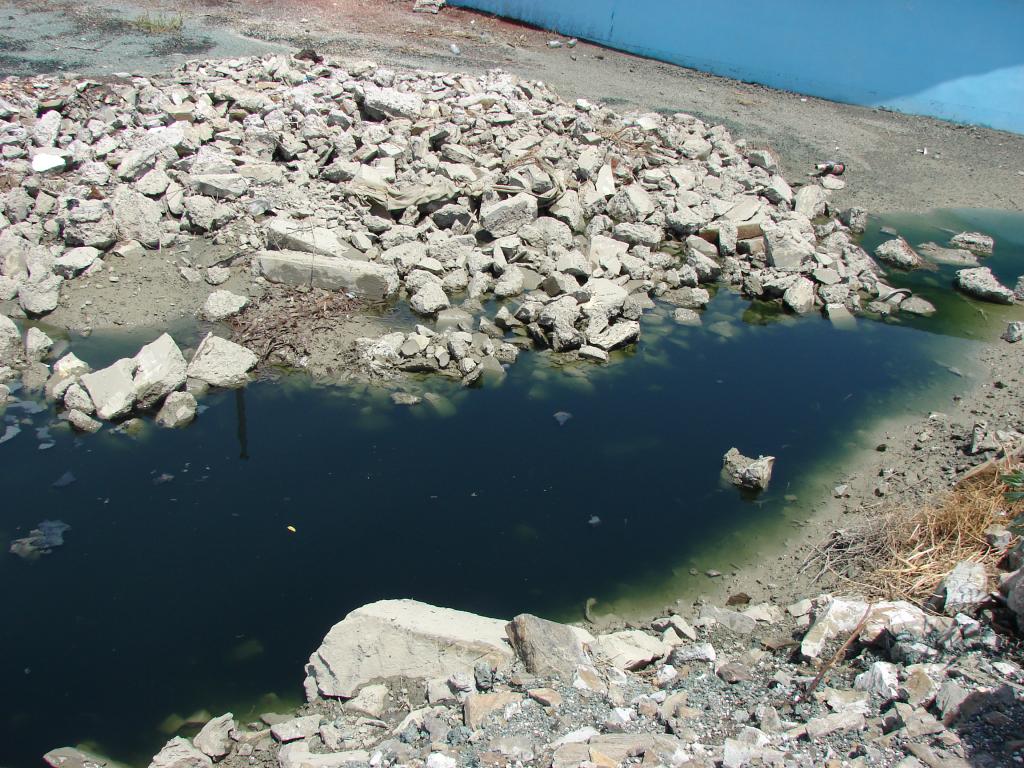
<point>182,587</point>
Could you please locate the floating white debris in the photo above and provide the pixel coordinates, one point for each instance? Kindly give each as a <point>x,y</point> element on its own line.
<point>65,480</point>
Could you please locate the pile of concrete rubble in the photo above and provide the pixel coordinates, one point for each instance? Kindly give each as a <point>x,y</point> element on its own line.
<point>830,681</point>
<point>443,188</point>
<point>157,379</point>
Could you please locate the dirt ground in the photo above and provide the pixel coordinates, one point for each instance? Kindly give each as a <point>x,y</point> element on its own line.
<point>964,167</point>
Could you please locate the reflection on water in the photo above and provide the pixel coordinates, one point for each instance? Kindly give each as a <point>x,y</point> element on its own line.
<point>203,565</point>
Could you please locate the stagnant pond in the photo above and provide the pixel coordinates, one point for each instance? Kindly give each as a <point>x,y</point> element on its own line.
<point>180,586</point>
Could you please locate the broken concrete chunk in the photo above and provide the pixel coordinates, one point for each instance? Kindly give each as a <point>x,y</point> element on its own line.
<point>975,242</point>
<point>799,297</point>
<point>1014,332</point>
<point>429,300</point>
<point>404,638</point>
<point>37,344</point>
<point>221,363</point>
<point>159,370</point>
<point>630,649</point>
<point>40,296</point>
<point>136,217</point>
<point>369,279</point>
<point>505,217</point>
<point>75,261</point>
<point>898,253</point>
<point>631,204</point>
<point>617,335</point>
<point>548,648</point>
<point>82,421</point>
<point>288,235</point>
<point>746,472</point>
<point>810,201</point>
<point>220,305</point>
<point>214,739</point>
<point>178,410</point>
<point>980,283</point>
<point>179,753</point>
<point>964,588</point>
<point>382,103</point>
<point>112,389</point>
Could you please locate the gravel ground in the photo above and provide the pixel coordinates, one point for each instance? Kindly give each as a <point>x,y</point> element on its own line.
<point>965,167</point>
<point>730,691</point>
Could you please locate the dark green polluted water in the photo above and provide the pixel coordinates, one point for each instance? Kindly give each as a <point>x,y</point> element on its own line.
<point>181,588</point>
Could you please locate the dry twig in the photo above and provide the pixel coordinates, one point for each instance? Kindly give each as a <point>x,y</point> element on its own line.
<point>284,318</point>
<point>838,656</point>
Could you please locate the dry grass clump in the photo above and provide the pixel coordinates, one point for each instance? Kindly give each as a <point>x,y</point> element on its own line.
<point>905,553</point>
<point>159,24</point>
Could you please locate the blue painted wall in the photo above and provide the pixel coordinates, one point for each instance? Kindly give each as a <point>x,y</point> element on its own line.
<point>960,60</point>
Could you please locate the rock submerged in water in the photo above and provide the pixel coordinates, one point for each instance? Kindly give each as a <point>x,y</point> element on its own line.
<point>71,757</point>
<point>41,540</point>
<point>959,257</point>
<point>976,242</point>
<point>915,305</point>
<point>980,283</point>
<point>178,410</point>
<point>898,253</point>
<point>745,472</point>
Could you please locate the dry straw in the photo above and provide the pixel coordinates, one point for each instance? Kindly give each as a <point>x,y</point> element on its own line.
<point>905,552</point>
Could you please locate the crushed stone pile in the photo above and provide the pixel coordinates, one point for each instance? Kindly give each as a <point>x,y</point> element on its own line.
<point>449,190</point>
<point>828,681</point>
